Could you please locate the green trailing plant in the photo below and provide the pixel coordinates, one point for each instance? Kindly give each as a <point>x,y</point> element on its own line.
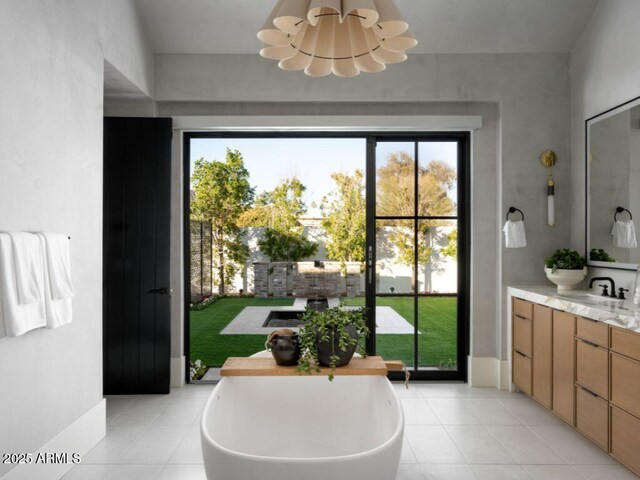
<point>599,255</point>
<point>448,364</point>
<point>197,369</point>
<point>330,326</point>
<point>565,259</point>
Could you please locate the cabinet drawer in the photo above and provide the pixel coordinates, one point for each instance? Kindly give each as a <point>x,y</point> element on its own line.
<point>522,372</point>
<point>625,342</point>
<point>592,331</point>
<point>522,308</point>
<point>522,335</point>
<point>625,439</point>
<point>592,417</point>
<point>592,368</point>
<point>625,383</point>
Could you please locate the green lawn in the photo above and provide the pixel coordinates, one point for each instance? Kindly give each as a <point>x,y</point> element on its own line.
<point>437,321</point>
<point>436,342</point>
<point>212,348</point>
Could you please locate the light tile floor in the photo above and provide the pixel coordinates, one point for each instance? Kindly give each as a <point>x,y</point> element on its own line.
<point>452,432</point>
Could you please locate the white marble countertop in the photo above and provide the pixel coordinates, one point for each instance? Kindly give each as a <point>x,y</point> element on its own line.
<point>623,314</point>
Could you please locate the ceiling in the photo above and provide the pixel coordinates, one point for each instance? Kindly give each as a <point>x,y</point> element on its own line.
<point>441,26</point>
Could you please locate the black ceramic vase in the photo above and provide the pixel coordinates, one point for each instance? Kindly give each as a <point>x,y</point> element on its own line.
<point>284,348</point>
<point>324,349</point>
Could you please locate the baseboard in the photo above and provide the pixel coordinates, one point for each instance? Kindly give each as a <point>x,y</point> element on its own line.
<point>505,375</point>
<point>177,371</point>
<point>483,371</point>
<point>78,438</point>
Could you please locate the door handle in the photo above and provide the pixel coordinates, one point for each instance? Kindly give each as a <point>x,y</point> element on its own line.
<point>161,291</point>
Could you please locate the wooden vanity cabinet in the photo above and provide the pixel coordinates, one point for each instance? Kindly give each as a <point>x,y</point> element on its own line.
<point>625,397</point>
<point>592,417</point>
<point>563,371</point>
<point>625,439</point>
<point>592,381</point>
<point>585,371</point>
<point>522,344</point>
<point>542,358</point>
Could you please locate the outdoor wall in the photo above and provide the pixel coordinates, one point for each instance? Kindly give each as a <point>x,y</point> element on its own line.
<point>51,92</point>
<point>532,91</point>
<point>605,72</point>
<point>439,275</point>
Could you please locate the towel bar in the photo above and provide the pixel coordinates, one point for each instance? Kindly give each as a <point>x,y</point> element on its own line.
<point>514,210</point>
<point>620,210</point>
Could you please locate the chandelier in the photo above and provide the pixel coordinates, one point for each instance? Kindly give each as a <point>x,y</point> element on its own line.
<point>343,37</point>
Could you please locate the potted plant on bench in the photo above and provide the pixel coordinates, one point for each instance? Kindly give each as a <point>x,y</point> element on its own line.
<point>330,338</point>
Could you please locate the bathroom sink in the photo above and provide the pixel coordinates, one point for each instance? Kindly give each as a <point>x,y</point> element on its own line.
<point>604,299</point>
<point>584,296</point>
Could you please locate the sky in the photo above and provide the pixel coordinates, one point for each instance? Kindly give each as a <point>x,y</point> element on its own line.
<point>312,160</point>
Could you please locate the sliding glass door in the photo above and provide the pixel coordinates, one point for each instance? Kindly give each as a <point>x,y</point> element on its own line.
<point>416,265</point>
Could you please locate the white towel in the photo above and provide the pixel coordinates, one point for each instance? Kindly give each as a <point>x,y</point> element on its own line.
<point>58,262</point>
<point>15,317</point>
<point>624,234</point>
<point>514,234</point>
<point>58,310</point>
<point>28,261</point>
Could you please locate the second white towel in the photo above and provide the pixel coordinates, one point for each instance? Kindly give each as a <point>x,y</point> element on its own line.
<point>624,234</point>
<point>57,279</point>
<point>514,234</point>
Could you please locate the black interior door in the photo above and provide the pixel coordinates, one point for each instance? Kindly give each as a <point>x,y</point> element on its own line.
<point>136,302</point>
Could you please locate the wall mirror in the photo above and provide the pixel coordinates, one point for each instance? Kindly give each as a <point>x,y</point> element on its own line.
<point>613,181</point>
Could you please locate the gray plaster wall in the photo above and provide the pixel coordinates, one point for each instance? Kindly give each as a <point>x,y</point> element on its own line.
<point>51,92</point>
<point>604,73</point>
<point>531,92</point>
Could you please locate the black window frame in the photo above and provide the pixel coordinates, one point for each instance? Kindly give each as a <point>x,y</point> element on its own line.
<point>463,139</point>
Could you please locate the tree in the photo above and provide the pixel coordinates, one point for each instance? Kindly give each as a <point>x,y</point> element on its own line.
<point>451,250</point>
<point>221,193</point>
<point>396,185</point>
<point>344,218</point>
<point>396,197</point>
<point>279,211</point>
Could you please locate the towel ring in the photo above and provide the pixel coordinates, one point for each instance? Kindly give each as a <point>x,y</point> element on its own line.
<point>620,210</point>
<point>514,210</point>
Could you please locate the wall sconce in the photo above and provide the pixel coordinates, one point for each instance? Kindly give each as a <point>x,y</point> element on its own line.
<point>548,159</point>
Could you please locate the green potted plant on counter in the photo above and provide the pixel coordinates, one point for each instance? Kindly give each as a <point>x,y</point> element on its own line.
<point>566,268</point>
<point>330,338</point>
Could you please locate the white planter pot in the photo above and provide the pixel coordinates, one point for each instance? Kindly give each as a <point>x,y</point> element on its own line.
<point>566,279</point>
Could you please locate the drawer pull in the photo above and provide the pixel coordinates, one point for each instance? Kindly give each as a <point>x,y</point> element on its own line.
<point>589,391</point>
<point>591,344</point>
<point>520,353</point>
<point>521,317</point>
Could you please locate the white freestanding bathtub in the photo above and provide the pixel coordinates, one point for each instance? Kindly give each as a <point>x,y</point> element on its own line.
<point>302,428</point>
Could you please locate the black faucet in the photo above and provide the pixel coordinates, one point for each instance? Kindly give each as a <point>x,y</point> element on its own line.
<point>604,290</point>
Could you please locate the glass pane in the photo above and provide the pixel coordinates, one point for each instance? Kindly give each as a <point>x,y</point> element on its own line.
<point>394,328</point>
<point>437,256</point>
<point>438,179</point>
<point>437,340</point>
<point>394,256</point>
<point>395,179</point>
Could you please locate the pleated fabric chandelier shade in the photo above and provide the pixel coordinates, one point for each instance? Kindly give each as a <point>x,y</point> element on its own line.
<point>343,37</point>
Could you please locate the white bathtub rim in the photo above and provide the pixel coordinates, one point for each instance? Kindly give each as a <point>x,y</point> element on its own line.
<point>398,432</point>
